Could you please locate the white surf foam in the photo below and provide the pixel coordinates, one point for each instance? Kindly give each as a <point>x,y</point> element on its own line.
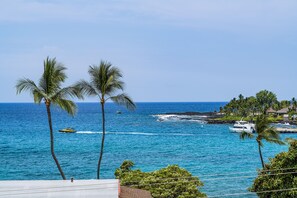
<point>180,118</point>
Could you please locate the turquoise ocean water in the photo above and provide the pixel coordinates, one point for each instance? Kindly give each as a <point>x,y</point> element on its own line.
<point>223,162</point>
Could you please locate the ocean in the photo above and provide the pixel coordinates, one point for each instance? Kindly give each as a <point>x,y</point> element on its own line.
<point>223,162</point>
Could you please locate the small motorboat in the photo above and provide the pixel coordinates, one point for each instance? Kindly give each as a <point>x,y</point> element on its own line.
<point>67,130</point>
<point>119,112</point>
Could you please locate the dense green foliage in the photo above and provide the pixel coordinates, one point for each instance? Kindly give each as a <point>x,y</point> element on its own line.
<point>259,104</point>
<point>106,82</point>
<point>169,182</point>
<point>279,174</point>
<point>263,132</point>
<point>265,99</point>
<point>270,118</point>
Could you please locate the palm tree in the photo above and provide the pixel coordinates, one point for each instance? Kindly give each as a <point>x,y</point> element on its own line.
<point>252,106</point>
<point>294,103</point>
<point>105,83</point>
<point>263,132</point>
<point>50,92</point>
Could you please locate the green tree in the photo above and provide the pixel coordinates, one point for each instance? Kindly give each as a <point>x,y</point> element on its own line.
<point>285,103</point>
<point>221,110</point>
<point>231,107</point>
<point>105,83</point>
<point>240,98</point>
<point>279,174</point>
<point>265,100</point>
<point>241,106</point>
<point>294,103</point>
<point>263,132</point>
<point>172,181</point>
<point>50,92</point>
<point>252,105</point>
<point>277,106</point>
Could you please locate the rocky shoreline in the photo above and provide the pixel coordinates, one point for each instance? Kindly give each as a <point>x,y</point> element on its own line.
<point>209,117</point>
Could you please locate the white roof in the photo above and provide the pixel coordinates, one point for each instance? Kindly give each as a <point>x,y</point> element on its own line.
<point>59,188</point>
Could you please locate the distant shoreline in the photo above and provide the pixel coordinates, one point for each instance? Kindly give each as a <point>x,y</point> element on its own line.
<point>210,117</point>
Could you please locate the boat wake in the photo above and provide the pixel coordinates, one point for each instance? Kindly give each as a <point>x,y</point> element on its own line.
<point>180,118</point>
<point>137,133</point>
<point>87,132</point>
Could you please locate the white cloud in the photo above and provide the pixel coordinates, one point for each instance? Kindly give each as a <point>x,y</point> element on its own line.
<point>22,52</point>
<point>197,13</point>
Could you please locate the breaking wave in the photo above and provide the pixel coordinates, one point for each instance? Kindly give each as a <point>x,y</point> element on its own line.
<point>180,118</point>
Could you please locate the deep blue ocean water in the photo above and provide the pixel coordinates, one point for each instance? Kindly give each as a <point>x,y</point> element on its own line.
<point>223,162</point>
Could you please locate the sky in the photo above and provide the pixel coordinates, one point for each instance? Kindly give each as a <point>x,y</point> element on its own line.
<point>168,50</point>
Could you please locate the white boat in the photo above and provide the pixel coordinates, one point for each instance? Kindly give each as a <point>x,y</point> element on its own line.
<point>241,126</point>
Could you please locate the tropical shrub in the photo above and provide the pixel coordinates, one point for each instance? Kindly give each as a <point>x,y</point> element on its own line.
<point>169,182</point>
<point>279,176</point>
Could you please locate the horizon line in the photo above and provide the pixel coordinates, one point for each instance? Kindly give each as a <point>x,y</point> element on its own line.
<point>134,102</point>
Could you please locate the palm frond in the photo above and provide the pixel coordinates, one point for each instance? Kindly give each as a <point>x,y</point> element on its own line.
<point>37,96</point>
<point>29,85</point>
<point>85,88</point>
<point>245,135</point>
<point>272,133</point>
<point>113,85</point>
<point>50,87</point>
<point>124,100</point>
<point>276,141</point>
<point>106,78</point>
<point>53,76</point>
<point>290,140</point>
<point>66,92</point>
<point>59,74</point>
<point>272,136</point>
<point>97,75</point>
<point>105,82</point>
<point>42,84</point>
<point>114,82</point>
<point>114,71</point>
<point>25,85</point>
<point>266,132</point>
<point>67,105</point>
<point>261,124</point>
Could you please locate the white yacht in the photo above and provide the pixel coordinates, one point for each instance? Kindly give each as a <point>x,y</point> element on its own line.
<point>241,126</point>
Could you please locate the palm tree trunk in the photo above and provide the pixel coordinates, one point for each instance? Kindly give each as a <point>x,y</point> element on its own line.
<point>52,140</point>
<point>102,142</point>
<point>261,157</point>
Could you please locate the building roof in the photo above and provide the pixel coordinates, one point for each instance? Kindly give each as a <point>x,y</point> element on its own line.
<point>270,110</point>
<point>283,111</point>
